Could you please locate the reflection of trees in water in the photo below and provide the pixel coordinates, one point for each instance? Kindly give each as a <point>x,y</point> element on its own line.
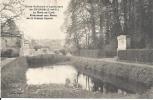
<point>88,83</point>
<point>73,82</point>
<point>96,85</point>
<point>93,84</point>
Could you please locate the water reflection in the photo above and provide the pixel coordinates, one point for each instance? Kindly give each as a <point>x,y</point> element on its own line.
<point>50,74</point>
<point>66,75</point>
<point>59,74</point>
<point>70,77</point>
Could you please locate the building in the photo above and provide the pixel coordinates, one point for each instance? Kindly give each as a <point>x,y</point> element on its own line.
<point>10,39</point>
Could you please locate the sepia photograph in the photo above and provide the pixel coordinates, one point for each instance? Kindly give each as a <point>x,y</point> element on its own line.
<point>99,49</point>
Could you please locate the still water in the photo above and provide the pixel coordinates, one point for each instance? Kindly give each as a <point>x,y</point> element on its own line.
<point>70,77</point>
<point>59,74</point>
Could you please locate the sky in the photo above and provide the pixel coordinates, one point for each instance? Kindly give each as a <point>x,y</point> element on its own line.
<point>43,29</point>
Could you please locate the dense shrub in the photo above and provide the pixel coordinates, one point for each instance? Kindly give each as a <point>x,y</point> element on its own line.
<point>136,55</point>
<point>89,53</point>
<point>10,52</point>
<point>42,60</point>
<point>6,53</point>
<point>96,53</point>
<point>110,50</point>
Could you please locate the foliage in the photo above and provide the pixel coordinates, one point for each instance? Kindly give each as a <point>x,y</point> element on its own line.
<point>10,11</point>
<point>44,60</point>
<point>94,23</point>
<point>136,55</point>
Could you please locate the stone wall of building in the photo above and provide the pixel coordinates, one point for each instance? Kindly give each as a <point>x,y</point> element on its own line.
<point>10,46</point>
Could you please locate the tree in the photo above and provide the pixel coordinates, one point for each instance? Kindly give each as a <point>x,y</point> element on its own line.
<point>95,23</point>
<point>10,10</point>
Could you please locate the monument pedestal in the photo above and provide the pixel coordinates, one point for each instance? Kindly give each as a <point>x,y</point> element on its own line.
<point>124,42</point>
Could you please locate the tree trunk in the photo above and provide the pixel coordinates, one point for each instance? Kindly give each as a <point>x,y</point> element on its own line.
<point>93,24</point>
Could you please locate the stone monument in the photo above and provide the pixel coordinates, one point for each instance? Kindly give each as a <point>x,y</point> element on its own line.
<point>124,42</point>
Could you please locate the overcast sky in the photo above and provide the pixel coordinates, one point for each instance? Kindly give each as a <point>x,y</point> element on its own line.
<point>44,29</point>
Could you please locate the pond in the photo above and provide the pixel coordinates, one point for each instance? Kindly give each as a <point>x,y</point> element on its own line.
<point>59,74</point>
<point>65,75</point>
